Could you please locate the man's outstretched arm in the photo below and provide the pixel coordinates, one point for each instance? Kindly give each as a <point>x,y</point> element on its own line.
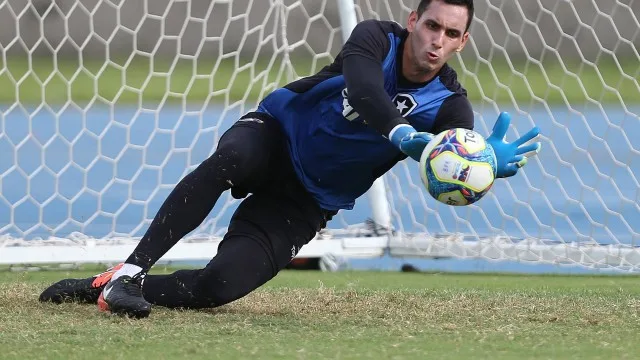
<point>362,70</point>
<point>366,94</point>
<point>363,55</point>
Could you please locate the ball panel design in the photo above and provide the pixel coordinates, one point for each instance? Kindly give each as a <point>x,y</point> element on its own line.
<point>470,140</point>
<point>454,198</point>
<point>458,167</point>
<point>451,168</point>
<point>479,176</point>
<point>425,154</point>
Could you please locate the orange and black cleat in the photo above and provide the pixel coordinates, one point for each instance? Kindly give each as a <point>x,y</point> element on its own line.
<point>123,296</point>
<point>78,290</point>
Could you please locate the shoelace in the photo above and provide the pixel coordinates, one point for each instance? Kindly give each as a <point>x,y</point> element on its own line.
<point>139,278</point>
<point>133,285</point>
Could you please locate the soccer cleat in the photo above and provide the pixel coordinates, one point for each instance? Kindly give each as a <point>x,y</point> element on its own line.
<point>123,296</point>
<point>78,290</point>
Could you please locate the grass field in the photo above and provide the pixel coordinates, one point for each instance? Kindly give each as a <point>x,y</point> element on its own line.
<point>142,79</point>
<point>314,315</point>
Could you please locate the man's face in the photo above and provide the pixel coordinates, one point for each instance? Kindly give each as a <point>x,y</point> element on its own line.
<point>436,35</point>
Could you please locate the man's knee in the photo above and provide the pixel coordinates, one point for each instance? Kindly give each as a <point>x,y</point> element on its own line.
<point>241,266</point>
<point>238,159</point>
<point>213,291</point>
<point>189,289</point>
<point>228,166</point>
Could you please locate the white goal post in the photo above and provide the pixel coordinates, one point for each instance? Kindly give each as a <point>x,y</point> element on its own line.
<point>105,105</point>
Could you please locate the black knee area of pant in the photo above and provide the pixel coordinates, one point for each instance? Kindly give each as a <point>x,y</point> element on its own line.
<point>240,158</point>
<point>241,266</point>
<point>229,164</point>
<point>216,291</point>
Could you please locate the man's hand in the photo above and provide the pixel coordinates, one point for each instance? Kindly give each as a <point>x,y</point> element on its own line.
<point>511,156</point>
<point>410,141</point>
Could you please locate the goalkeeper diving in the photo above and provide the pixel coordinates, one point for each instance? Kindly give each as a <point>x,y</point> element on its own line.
<point>309,150</point>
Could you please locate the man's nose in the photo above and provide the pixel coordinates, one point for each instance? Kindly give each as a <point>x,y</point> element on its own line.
<point>438,39</point>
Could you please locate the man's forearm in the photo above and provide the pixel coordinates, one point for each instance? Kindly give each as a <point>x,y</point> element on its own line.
<point>366,94</point>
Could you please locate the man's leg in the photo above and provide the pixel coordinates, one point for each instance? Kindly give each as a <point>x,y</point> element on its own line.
<point>265,233</point>
<point>241,159</point>
<point>242,156</point>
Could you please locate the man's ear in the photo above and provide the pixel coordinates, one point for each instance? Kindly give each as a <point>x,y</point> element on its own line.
<point>412,20</point>
<point>465,37</point>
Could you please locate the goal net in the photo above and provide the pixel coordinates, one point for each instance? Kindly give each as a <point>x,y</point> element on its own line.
<point>106,104</point>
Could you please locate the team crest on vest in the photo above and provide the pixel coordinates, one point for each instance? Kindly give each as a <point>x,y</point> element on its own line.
<point>405,103</point>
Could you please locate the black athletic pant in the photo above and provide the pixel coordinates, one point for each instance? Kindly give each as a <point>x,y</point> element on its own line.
<point>267,230</point>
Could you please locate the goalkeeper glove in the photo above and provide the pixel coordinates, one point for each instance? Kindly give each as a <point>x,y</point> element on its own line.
<point>510,157</point>
<point>409,140</point>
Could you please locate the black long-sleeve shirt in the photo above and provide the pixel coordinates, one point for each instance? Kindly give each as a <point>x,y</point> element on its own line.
<point>337,120</point>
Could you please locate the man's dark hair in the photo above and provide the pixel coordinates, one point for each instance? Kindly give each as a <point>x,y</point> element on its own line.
<point>424,4</point>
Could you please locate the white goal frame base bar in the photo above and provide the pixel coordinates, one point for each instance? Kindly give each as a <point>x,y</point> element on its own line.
<point>82,249</point>
<point>349,243</point>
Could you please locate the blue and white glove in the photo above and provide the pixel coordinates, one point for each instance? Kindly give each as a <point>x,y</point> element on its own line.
<point>409,140</point>
<point>510,157</point>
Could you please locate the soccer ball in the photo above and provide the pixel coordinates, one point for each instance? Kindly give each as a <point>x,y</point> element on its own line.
<point>458,167</point>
